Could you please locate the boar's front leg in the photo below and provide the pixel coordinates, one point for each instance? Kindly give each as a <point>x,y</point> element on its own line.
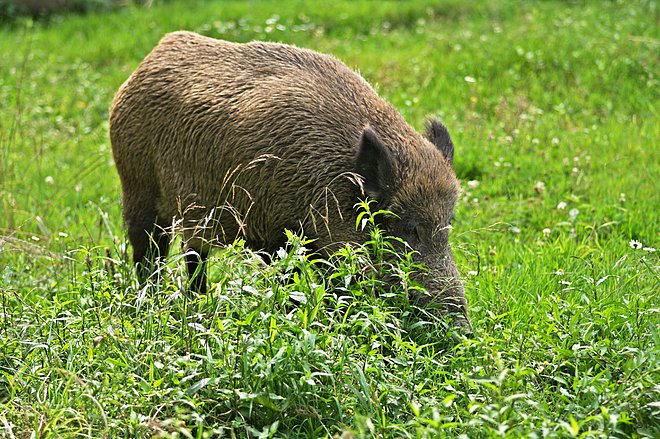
<point>196,266</point>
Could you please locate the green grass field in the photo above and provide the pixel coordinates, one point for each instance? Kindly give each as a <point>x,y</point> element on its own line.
<point>553,107</point>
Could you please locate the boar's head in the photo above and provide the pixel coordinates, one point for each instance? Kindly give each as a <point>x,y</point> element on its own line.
<point>413,177</point>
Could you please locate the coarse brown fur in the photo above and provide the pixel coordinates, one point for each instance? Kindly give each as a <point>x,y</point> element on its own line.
<point>247,140</point>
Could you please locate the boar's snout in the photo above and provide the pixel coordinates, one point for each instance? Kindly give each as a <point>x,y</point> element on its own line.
<point>445,290</point>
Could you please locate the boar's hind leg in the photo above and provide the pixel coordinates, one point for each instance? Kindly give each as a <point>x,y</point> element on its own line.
<point>149,239</point>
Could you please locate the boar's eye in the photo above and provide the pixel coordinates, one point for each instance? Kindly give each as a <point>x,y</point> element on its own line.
<point>411,229</point>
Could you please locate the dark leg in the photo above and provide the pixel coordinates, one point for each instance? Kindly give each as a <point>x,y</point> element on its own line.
<point>150,246</point>
<point>196,265</point>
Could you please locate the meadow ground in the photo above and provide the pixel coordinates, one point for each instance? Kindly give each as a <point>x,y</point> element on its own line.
<point>553,107</point>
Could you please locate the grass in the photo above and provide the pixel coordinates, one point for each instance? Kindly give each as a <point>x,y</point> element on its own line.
<point>553,107</point>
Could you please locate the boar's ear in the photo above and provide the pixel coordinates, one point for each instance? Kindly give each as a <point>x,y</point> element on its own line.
<point>374,164</point>
<point>439,136</point>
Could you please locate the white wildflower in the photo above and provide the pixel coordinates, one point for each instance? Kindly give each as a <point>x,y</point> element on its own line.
<point>561,205</point>
<point>635,244</point>
<point>49,180</point>
<point>470,79</point>
<point>473,184</point>
<point>573,213</point>
<point>546,232</point>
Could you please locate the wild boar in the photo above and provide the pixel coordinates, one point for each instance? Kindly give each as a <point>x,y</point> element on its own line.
<point>247,140</point>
